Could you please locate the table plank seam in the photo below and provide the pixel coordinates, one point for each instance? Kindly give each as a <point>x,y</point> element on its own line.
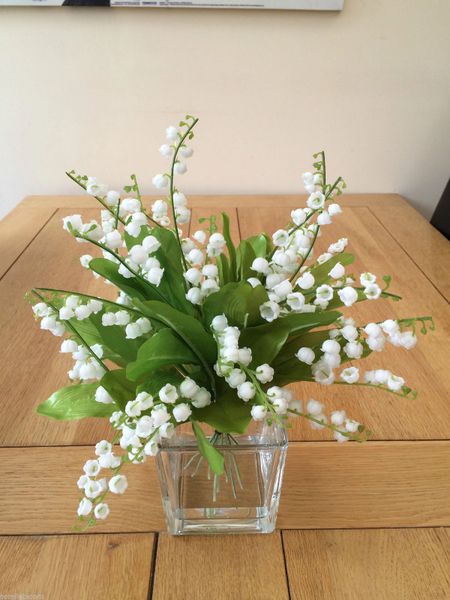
<point>28,244</point>
<point>151,582</point>
<point>291,442</point>
<point>156,532</point>
<point>407,254</point>
<point>286,573</point>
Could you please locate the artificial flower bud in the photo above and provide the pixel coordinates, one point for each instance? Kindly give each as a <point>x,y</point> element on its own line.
<point>306,355</point>
<point>264,373</point>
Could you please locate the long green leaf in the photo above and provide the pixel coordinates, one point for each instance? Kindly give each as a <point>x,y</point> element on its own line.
<point>261,244</point>
<point>223,266</point>
<point>230,246</point>
<point>291,371</point>
<point>245,257</point>
<point>267,341</point>
<point>207,450</point>
<point>228,414</point>
<point>133,287</point>
<point>311,339</point>
<point>119,387</point>
<point>169,255</point>
<point>114,338</point>
<point>321,271</point>
<point>188,329</point>
<point>239,301</point>
<point>172,285</point>
<point>75,402</point>
<point>158,380</point>
<point>162,349</point>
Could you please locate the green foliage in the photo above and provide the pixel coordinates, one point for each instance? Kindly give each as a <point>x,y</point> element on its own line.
<point>75,402</point>
<point>158,380</point>
<point>312,339</point>
<point>172,284</point>
<point>207,450</point>
<point>227,414</point>
<point>223,266</point>
<point>131,241</point>
<point>188,329</point>
<point>230,247</point>
<point>290,371</point>
<point>301,322</point>
<point>320,272</point>
<point>261,244</point>
<point>114,338</point>
<point>266,341</point>
<point>239,301</point>
<point>162,349</point>
<point>245,257</point>
<point>119,387</point>
<point>132,286</point>
<point>336,302</point>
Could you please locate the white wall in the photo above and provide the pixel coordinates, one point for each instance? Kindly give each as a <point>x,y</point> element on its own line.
<point>92,89</point>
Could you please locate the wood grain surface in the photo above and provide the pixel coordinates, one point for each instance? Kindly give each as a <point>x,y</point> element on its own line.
<point>380,564</point>
<point>104,567</point>
<point>18,229</point>
<point>342,506</point>
<point>26,383</point>
<point>378,484</point>
<point>247,567</point>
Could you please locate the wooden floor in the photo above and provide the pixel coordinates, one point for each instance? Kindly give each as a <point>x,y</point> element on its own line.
<point>356,521</point>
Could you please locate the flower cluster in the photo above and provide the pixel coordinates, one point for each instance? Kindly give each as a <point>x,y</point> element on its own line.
<point>145,421</point>
<point>206,332</point>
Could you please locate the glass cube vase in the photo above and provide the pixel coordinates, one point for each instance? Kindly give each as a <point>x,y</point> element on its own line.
<point>244,499</point>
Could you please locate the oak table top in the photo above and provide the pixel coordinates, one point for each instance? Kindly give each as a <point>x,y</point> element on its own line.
<point>355,520</point>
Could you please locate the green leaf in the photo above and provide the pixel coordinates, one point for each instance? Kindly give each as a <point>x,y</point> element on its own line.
<point>75,402</point>
<point>119,387</point>
<point>320,272</point>
<point>172,285</point>
<point>264,342</point>
<point>291,371</point>
<point>245,257</point>
<point>302,322</point>
<point>132,286</point>
<point>158,380</point>
<point>114,338</point>
<point>223,266</point>
<point>312,339</point>
<point>227,414</point>
<point>93,332</point>
<point>240,303</point>
<point>207,450</point>
<point>261,244</point>
<point>169,255</point>
<point>188,329</point>
<point>230,246</point>
<point>162,349</point>
<point>131,241</point>
<point>267,341</point>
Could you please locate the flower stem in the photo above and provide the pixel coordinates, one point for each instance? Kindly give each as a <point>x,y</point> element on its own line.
<point>172,187</point>
<point>108,208</point>
<point>139,197</point>
<point>111,302</point>
<point>73,330</point>
<point>122,261</point>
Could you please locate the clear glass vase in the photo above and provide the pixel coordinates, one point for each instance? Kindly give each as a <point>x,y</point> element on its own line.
<point>244,499</point>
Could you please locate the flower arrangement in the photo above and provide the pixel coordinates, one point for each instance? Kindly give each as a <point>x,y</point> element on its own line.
<point>200,331</point>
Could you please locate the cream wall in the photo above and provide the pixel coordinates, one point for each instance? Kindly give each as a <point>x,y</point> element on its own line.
<point>93,89</point>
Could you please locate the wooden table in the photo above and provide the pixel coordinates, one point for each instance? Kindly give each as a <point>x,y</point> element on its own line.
<point>356,520</point>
